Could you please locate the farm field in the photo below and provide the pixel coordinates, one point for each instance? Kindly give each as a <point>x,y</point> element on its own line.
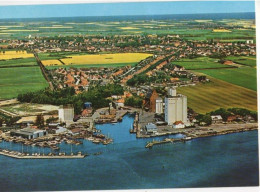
<point>16,80</point>
<point>249,60</point>
<point>108,59</point>
<point>210,96</point>
<point>186,28</point>
<point>200,63</point>
<point>18,62</point>
<point>243,76</point>
<point>5,55</point>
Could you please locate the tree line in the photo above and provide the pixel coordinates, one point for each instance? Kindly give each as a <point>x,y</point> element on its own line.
<point>96,95</point>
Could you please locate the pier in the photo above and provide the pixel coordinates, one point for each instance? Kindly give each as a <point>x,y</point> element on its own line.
<point>167,140</point>
<point>18,155</point>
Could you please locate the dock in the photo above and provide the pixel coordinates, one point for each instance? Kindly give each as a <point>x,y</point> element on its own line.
<point>18,155</point>
<point>167,140</point>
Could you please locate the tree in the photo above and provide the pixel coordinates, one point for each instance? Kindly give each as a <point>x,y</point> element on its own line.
<point>40,121</point>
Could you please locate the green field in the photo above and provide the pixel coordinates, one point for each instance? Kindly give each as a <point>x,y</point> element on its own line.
<point>207,97</point>
<point>243,76</point>
<point>249,60</point>
<point>16,80</point>
<point>187,29</point>
<point>58,55</point>
<point>18,62</point>
<point>200,63</point>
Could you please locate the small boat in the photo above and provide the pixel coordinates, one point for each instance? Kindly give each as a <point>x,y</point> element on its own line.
<point>97,153</point>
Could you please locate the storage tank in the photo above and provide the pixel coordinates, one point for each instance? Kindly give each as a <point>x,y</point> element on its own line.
<point>87,105</point>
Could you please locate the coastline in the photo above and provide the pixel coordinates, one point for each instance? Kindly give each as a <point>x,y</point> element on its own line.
<point>191,136</point>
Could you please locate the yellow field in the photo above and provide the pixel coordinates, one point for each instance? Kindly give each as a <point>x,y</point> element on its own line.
<point>166,25</point>
<point>51,62</point>
<point>57,27</point>
<point>101,59</point>
<point>221,30</point>
<point>15,55</point>
<point>201,21</point>
<point>128,28</point>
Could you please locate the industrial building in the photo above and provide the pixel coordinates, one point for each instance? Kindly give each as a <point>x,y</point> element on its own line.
<point>66,113</point>
<point>175,107</point>
<point>151,128</point>
<point>29,133</point>
<point>159,106</point>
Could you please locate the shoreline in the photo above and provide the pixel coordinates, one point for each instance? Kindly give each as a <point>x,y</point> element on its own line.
<point>191,137</point>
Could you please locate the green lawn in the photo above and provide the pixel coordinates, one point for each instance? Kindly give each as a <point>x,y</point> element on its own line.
<point>243,76</point>
<point>14,81</point>
<point>199,63</point>
<point>246,60</point>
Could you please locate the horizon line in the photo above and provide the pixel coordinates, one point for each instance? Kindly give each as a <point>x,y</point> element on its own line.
<point>124,15</point>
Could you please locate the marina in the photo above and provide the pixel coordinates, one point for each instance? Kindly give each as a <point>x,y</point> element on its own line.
<point>128,156</point>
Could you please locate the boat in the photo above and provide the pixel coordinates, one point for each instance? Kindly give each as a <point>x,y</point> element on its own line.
<point>97,153</point>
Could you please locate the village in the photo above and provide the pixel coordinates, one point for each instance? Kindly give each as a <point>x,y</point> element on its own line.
<point>147,90</point>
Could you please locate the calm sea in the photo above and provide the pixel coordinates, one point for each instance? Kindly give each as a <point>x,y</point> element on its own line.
<point>228,160</point>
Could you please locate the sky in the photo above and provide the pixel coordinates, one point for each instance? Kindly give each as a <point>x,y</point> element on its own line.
<point>129,8</point>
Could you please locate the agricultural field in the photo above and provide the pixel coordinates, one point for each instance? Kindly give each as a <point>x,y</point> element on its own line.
<point>200,63</point>
<point>16,80</point>
<point>101,59</point>
<point>206,97</point>
<point>188,29</point>
<point>243,76</point>
<point>6,55</point>
<point>249,60</point>
<point>18,62</point>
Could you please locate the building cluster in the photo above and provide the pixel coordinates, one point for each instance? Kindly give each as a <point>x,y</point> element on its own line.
<point>131,43</point>
<point>82,78</point>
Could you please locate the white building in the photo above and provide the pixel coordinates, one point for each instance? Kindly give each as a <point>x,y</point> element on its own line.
<point>175,107</point>
<point>178,125</point>
<point>159,106</point>
<point>66,113</point>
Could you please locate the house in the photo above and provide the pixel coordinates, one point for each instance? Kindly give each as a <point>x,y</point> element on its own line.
<point>178,125</point>
<point>151,128</point>
<point>216,119</point>
<point>75,131</point>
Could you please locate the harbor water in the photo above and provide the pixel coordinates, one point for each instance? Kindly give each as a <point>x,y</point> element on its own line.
<point>219,161</point>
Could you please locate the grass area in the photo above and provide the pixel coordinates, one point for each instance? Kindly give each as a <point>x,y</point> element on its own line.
<point>207,97</point>
<point>89,66</point>
<point>246,60</point>
<point>199,63</point>
<point>58,55</point>
<point>14,81</point>
<point>18,62</point>
<point>243,76</point>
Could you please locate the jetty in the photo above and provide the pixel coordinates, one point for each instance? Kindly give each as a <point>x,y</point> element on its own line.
<point>18,155</point>
<point>166,140</point>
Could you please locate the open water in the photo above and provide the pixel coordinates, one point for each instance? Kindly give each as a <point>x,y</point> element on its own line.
<point>220,161</point>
